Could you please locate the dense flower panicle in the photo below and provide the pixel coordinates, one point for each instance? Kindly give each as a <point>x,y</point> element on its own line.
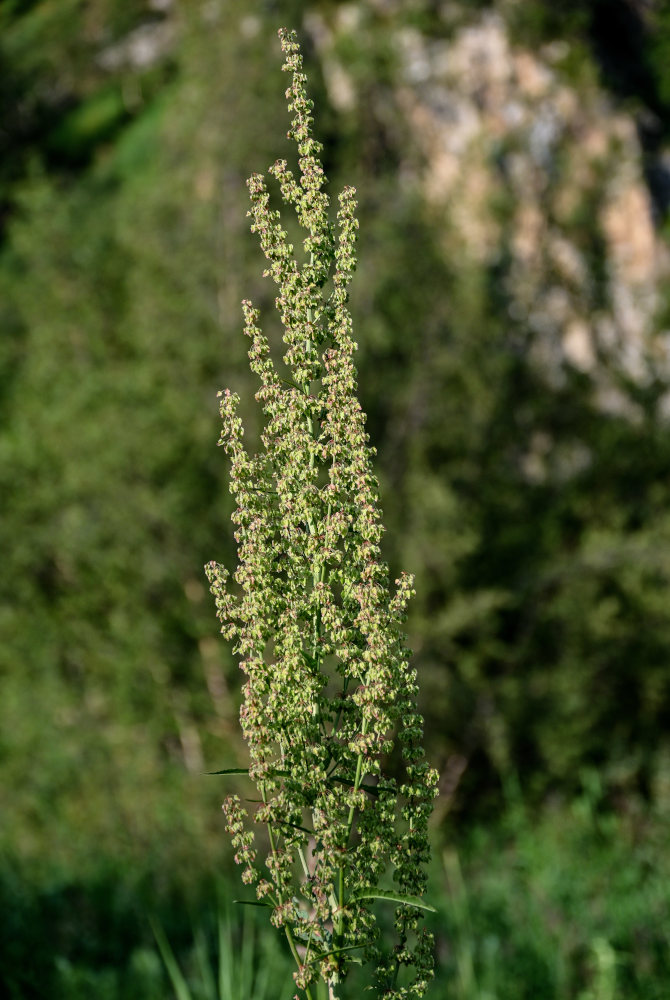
<point>329,687</point>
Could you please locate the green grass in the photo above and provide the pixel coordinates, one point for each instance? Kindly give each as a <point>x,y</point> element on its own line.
<point>571,904</point>
<point>248,961</point>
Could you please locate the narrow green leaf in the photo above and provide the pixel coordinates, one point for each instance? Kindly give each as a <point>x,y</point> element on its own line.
<point>296,826</point>
<point>395,897</point>
<point>372,789</point>
<point>337,951</point>
<point>252,902</point>
<point>231,770</point>
<point>342,780</point>
<point>179,984</point>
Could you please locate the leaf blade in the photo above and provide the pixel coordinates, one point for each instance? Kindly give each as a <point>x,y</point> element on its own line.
<point>230,770</point>
<point>395,897</point>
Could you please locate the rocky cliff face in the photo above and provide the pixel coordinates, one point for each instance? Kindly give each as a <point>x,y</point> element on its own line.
<point>533,170</point>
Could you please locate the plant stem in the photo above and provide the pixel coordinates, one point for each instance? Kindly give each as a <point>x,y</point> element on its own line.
<point>289,933</point>
<point>294,952</point>
<point>338,927</point>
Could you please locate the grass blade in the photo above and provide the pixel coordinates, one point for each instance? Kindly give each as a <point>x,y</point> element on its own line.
<point>179,984</point>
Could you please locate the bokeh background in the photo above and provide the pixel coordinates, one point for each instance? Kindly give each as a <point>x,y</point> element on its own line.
<point>511,306</point>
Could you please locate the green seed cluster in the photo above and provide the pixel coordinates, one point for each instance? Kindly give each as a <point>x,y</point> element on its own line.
<point>329,688</point>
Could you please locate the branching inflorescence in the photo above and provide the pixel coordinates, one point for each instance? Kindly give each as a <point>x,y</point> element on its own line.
<point>329,688</point>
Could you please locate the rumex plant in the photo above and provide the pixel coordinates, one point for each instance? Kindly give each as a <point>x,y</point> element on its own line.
<point>329,689</point>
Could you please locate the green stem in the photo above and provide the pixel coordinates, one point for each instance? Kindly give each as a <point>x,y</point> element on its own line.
<point>296,956</point>
<point>318,576</point>
<point>338,928</point>
<point>287,929</point>
<point>336,724</point>
<point>318,571</point>
<point>395,974</point>
<point>357,784</point>
<point>309,945</point>
<point>303,861</point>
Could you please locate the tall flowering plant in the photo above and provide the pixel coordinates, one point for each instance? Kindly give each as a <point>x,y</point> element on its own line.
<point>329,689</point>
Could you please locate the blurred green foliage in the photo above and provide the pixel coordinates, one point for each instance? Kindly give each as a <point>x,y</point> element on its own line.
<point>575,907</point>
<point>541,627</point>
